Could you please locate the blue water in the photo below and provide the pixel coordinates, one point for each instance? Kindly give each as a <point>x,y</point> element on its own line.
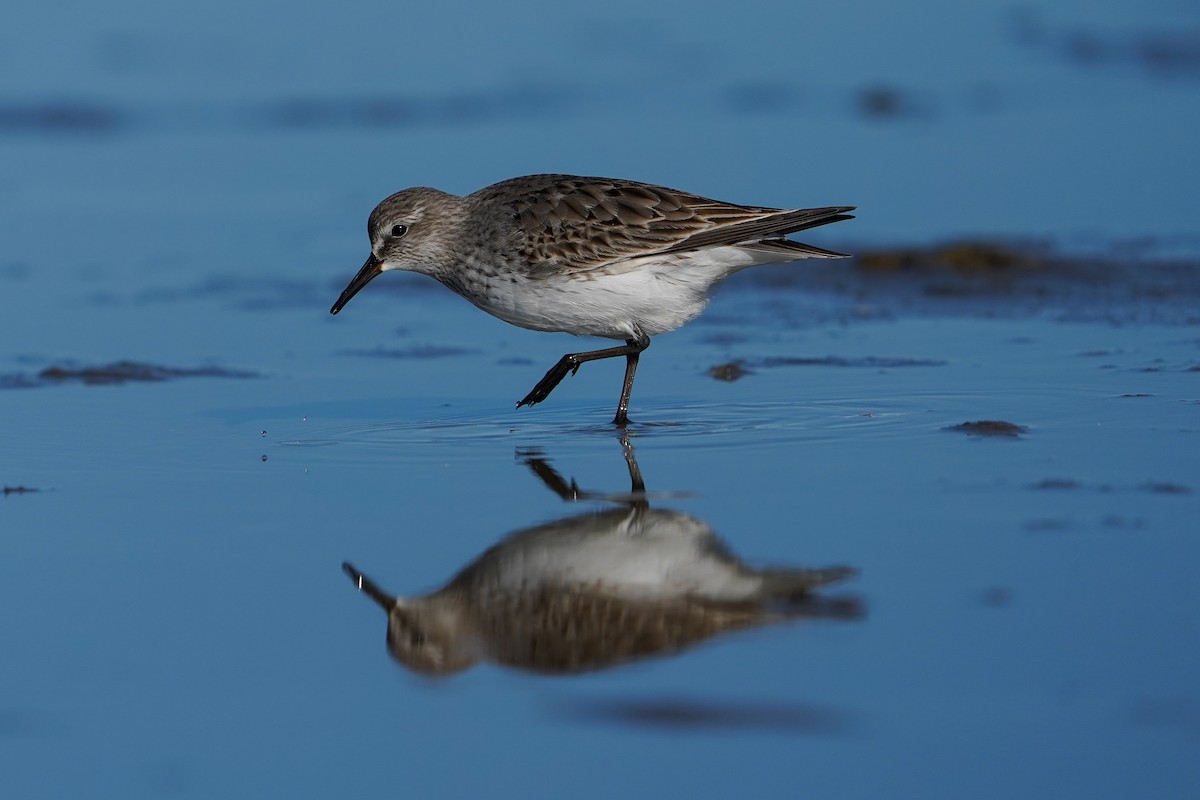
<point>187,187</point>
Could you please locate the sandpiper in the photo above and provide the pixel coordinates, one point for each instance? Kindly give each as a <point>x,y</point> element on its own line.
<point>601,257</point>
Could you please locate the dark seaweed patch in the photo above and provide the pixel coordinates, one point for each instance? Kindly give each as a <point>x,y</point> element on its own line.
<point>1001,278</point>
<point>887,102</point>
<point>117,372</point>
<point>414,111</point>
<point>870,362</point>
<point>1161,52</point>
<point>990,427</point>
<point>1057,484</point>
<point>728,372</point>
<point>1166,487</point>
<point>960,257</point>
<point>60,117</point>
<point>416,353</point>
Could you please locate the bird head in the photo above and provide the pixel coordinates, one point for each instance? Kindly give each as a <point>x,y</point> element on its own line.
<point>411,230</point>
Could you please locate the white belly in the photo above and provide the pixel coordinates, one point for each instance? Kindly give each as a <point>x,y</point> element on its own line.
<point>638,298</point>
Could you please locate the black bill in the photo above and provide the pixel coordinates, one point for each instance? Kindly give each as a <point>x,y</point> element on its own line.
<point>365,275</point>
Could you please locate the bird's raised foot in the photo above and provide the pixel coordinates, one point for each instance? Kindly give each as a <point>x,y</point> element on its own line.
<point>567,365</point>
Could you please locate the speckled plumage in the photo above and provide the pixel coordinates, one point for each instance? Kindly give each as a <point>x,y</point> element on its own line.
<point>589,256</point>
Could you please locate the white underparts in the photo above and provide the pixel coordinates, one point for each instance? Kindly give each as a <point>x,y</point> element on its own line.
<point>631,299</point>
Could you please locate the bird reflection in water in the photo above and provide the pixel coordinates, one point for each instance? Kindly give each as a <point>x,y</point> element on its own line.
<point>597,590</point>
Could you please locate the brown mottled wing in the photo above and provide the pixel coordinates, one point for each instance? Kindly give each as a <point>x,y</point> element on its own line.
<point>575,224</point>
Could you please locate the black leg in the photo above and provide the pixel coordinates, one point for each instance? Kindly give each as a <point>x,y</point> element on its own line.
<point>569,365</point>
<point>631,362</point>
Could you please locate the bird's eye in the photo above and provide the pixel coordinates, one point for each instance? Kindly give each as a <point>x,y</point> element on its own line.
<point>399,230</point>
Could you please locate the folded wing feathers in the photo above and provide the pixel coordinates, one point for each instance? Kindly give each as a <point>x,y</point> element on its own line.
<point>579,224</point>
<point>766,227</point>
<point>789,250</point>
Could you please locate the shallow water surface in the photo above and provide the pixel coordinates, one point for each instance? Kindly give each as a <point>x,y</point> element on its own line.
<point>991,417</point>
<point>175,579</point>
